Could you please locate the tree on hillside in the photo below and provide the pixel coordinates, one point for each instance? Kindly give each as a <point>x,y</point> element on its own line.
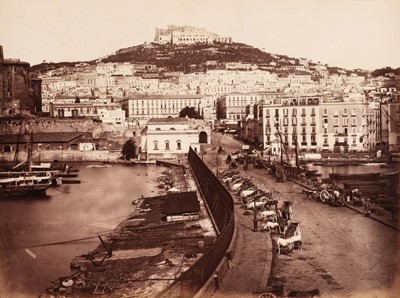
<point>190,112</point>
<point>129,149</point>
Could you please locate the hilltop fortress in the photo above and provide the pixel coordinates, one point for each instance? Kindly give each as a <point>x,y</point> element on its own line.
<point>187,35</point>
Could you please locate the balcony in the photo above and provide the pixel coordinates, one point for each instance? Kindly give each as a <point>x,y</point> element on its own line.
<point>303,143</point>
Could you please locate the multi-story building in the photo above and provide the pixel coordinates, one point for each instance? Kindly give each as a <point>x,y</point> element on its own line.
<point>187,35</point>
<point>344,127</point>
<point>312,124</point>
<point>170,138</point>
<point>233,106</point>
<point>107,112</point>
<point>158,106</point>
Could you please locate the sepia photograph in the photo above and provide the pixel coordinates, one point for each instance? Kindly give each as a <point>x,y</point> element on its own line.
<point>200,148</point>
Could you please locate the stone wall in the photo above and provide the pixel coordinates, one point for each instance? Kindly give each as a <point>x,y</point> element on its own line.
<point>66,155</point>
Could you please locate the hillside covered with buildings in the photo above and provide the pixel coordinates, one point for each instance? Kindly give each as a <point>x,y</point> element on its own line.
<point>273,101</point>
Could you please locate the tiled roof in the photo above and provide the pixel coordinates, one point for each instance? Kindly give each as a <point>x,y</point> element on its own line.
<point>182,202</point>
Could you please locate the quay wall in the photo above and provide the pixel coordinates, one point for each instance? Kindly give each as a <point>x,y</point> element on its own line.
<point>198,280</point>
<point>66,155</point>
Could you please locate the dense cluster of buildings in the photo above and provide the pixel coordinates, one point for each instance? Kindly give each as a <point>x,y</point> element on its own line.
<point>290,104</point>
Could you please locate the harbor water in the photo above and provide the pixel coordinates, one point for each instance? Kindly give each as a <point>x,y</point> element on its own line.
<point>39,236</point>
<point>362,168</point>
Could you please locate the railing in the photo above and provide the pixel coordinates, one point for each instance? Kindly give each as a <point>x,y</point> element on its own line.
<point>220,206</point>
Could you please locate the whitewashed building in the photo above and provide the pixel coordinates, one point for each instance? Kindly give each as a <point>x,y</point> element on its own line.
<point>170,138</point>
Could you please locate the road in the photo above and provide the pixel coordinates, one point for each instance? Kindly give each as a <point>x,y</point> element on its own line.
<point>344,253</point>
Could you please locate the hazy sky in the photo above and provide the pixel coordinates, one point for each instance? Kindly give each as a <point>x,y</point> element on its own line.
<point>346,33</point>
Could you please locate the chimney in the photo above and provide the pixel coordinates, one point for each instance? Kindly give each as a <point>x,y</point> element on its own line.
<point>1,54</point>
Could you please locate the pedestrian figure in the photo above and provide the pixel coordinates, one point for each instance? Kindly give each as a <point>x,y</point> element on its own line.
<point>368,207</point>
<point>229,258</point>
<point>216,281</point>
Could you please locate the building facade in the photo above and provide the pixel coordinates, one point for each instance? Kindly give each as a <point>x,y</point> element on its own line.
<point>170,138</point>
<point>187,35</point>
<point>158,106</point>
<point>110,113</point>
<point>310,124</point>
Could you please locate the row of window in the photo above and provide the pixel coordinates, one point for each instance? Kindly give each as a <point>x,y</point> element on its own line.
<point>163,103</point>
<point>285,130</point>
<point>167,145</point>
<point>303,140</point>
<point>313,112</point>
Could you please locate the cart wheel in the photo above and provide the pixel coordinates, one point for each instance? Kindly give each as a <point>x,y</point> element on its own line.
<point>324,195</point>
<point>267,295</point>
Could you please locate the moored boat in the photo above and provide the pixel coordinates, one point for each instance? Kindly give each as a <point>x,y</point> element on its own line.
<point>361,176</point>
<point>25,184</point>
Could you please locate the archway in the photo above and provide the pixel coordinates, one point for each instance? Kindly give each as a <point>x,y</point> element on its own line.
<point>203,137</point>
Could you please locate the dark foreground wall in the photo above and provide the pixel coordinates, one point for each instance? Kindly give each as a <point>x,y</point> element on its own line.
<point>220,206</point>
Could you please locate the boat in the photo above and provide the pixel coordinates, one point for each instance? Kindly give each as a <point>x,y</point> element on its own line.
<point>361,176</point>
<point>23,179</point>
<point>25,184</point>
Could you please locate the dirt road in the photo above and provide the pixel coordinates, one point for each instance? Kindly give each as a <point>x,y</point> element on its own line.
<point>344,253</point>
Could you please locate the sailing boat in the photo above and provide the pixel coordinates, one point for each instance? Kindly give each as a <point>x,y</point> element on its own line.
<point>25,182</point>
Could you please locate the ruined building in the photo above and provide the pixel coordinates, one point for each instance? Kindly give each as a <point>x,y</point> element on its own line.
<point>20,91</point>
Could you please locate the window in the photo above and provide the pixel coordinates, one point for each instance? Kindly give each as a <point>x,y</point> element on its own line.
<point>344,111</point>
<point>294,112</point>
<point>276,113</point>
<point>354,140</point>
<point>325,140</point>
<point>325,130</point>
<point>178,145</point>
<point>354,122</point>
<point>325,112</point>
<point>345,121</point>
<point>336,112</point>
<point>294,121</point>
<point>353,111</point>
<point>285,121</point>
<point>336,122</point>
<point>155,145</point>
<point>285,112</point>
<point>166,145</point>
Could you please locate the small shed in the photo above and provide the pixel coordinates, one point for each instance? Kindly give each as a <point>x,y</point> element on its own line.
<point>181,206</point>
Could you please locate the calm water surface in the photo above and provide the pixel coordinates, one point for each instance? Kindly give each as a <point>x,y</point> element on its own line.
<point>69,212</point>
<point>353,169</point>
